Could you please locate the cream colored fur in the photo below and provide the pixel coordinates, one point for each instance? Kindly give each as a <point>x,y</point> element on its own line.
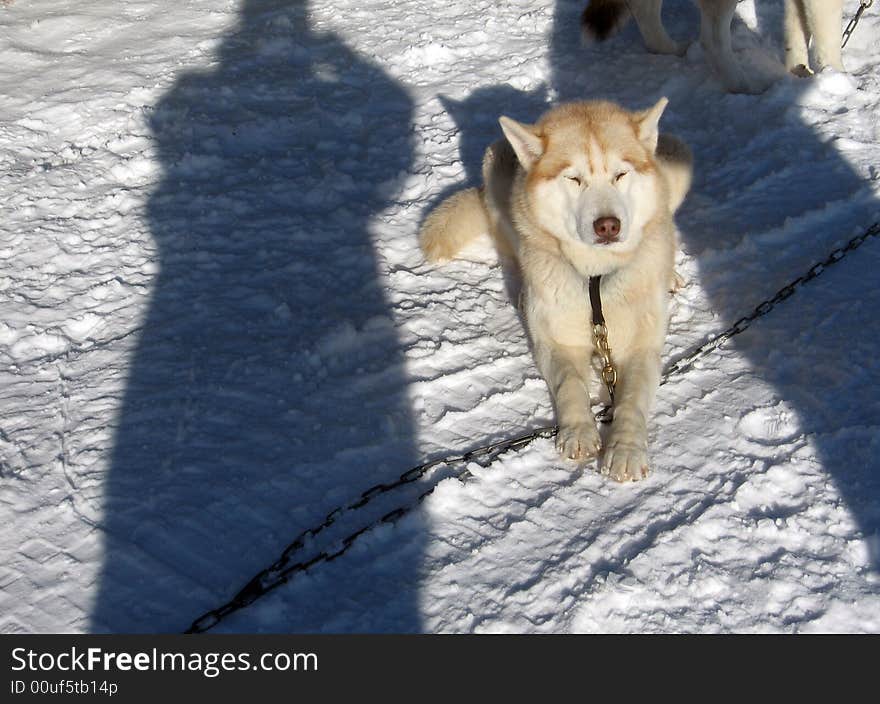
<point>544,189</point>
<point>454,224</point>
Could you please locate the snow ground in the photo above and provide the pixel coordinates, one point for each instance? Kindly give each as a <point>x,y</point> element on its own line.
<point>216,327</point>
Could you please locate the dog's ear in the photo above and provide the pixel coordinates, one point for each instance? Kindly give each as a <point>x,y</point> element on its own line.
<point>525,141</point>
<point>648,124</point>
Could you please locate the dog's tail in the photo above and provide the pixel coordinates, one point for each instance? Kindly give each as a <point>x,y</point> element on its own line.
<point>454,224</point>
<point>602,18</point>
<point>677,166</point>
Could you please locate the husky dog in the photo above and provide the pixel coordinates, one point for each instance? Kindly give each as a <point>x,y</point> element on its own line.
<point>819,19</point>
<point>589,190</point>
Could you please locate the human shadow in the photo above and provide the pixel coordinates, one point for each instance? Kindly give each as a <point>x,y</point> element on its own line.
<point>268,384</point>
<point>756,160</point>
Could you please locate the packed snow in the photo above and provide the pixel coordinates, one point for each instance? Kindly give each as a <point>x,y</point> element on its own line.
<point>216,327</point>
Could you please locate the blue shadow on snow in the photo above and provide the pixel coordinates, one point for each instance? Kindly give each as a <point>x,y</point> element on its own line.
<point>244,421</point>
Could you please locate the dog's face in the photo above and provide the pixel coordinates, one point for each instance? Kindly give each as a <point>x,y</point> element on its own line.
<point>591,176</point>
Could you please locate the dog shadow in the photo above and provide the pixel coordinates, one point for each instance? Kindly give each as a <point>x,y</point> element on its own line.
<point>242,422</point>
<point>757,161</point>
<point>476,118</point>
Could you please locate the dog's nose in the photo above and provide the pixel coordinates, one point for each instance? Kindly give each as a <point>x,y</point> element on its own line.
<point>607,228</point>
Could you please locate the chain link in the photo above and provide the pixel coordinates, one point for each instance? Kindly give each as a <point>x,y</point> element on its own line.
<point>851,27</point>
<point>283,569</point>
<point>609,372</point>
<point>286,566</point>
<point>765,307</point>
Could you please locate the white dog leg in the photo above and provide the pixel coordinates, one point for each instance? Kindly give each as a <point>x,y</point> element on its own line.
<point>626,457</point>
<point>647,17</point>
<point>824,18</point>
<point>567,373</point>
<point>797,36</point>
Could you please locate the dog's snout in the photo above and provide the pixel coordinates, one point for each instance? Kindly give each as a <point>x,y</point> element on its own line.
<point>607,228</point>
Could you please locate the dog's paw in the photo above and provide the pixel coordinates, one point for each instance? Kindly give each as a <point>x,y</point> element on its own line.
<point>578,442</point>
<point>801,71</point>
<point>626,461</point>
<point>677,282</point>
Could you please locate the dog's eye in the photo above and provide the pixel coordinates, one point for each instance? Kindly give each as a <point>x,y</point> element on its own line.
<point>620,175</point>
<point>574,179</point>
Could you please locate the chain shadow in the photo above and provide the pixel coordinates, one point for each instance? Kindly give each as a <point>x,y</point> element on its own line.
<point>243,420</point>
<point>756,159</point>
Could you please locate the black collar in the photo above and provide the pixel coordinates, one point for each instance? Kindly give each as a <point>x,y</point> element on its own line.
<point>596,300</point>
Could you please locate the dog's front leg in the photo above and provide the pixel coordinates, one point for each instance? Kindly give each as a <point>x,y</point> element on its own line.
<point>626,457</point>
<point>567,373</point>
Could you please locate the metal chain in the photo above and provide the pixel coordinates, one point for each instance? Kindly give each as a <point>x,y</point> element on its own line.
<point>609,371</point>
<point>762,309</point>
<point>285,567</point>
<point>851,27</point>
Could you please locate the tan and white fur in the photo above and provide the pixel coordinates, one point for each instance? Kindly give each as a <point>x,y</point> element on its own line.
<point>552,193</point>
<point>804,19</point>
